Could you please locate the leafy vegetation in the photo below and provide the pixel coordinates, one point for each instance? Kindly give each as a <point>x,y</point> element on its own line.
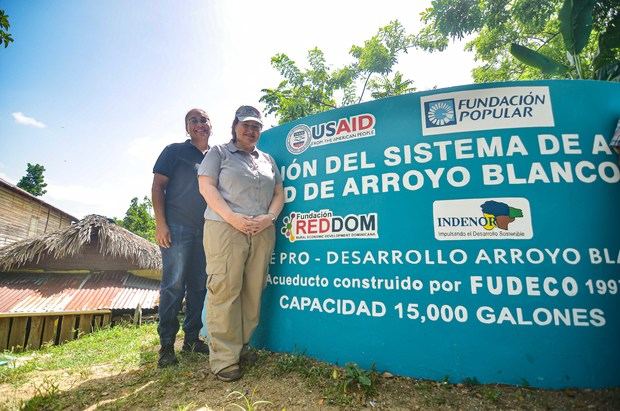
<point>575,18</point>
<point>139,219</point>
<point>34,181</point>
<point>471,381</point>
<point>537,25</point>
<point>5,36</point>
<point>358,379</point>
<point>303,92</point>
<point>249,403</point>
<point>115,347</point>
<point>339,386</point>
<point>46,397</point>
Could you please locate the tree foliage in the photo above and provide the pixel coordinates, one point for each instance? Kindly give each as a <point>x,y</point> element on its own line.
<point>575,19</point>
<point>139,218</point>
<point>387,87</point>
<point>33,182</point>
<point>534,24</point>
<point>303,92</point>
<point>5,36</point>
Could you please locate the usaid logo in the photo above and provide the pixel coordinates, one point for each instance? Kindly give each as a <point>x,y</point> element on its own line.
<point>301,137</point>
<point>486,109</point>
<point>298,139</point>
<point>440,113</point>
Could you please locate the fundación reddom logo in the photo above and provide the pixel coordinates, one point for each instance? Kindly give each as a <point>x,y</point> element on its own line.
<point>301,137</point>
<point>483,219</point>
<point>486,109</point>
<point>325,225</point>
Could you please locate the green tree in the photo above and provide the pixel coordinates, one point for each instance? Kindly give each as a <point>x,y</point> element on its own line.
<point>5,36</point>
<point>33,182</point>
<point>139,219</point>
<point>319,88</point>
<point>379,54</point>
<point>495,24</point>
<point>388,87</point>
<point>575,18</point>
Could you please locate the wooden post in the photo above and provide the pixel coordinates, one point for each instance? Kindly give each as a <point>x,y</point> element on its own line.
<point>4,333</point>
<point>101,319</point>
<point>96,322</point>
<point>86,323</point>
<point>67,329</point>
<point>49,330</point>
<point>17,337</point>
<point>36,331</point>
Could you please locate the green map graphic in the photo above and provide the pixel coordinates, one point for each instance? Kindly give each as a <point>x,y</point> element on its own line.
<point>502,213</point>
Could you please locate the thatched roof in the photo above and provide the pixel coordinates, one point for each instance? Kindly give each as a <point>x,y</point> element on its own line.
<point>94,243</point>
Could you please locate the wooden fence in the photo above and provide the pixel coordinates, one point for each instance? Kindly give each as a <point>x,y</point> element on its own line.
<point>19,331</point>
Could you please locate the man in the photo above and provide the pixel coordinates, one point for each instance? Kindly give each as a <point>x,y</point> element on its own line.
<point>179,210</point>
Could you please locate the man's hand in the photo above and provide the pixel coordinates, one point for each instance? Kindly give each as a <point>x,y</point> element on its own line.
<point>158,194</point>
<point>162,235</point>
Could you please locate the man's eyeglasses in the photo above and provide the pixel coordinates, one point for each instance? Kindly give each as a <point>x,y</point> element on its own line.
<point>195,120</point>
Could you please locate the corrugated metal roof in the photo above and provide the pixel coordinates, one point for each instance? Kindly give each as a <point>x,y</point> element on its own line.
<point>54,292</point>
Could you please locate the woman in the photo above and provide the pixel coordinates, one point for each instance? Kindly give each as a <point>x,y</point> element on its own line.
<point>244,194</point>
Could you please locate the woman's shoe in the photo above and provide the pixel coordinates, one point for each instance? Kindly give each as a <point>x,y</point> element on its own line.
<point>228,374</point>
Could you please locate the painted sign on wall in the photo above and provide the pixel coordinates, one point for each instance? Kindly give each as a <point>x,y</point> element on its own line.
<point>465,232</point>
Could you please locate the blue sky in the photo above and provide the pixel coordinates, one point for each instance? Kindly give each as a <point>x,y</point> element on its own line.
<point>94,90</point>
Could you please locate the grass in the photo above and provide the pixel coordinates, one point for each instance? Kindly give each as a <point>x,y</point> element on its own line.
<point>117,348</point>
<point>46,397</point>
<point>116,369</point>
<point>248,403</point>
<point>338,386</point>
<point>471,381</point>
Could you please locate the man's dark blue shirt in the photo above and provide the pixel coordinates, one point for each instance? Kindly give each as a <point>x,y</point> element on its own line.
<point>183,203</point>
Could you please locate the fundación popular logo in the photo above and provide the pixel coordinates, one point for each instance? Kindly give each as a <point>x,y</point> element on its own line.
<point>440,113</point>
<point>486,109</point>
<point>482,219</point>
<point>325,225</point>
<point>301,137</point>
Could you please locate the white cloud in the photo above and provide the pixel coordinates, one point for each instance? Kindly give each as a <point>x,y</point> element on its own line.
<point>21,118</point>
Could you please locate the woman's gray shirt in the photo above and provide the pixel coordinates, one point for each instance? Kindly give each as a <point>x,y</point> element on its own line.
<point>246,181</point>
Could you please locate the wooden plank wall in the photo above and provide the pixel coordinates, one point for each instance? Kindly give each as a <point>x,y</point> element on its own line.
<point>50,330</point>
<point>22,217</point>
<point>36,330</point>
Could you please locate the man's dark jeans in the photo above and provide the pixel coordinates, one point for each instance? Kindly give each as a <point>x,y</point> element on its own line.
<point>184,274</point>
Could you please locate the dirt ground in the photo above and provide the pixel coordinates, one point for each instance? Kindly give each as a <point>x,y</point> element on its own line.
<point>284,382</point>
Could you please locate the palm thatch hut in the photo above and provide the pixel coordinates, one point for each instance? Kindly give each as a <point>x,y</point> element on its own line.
<point>73,281</point>
<point>95,243</point>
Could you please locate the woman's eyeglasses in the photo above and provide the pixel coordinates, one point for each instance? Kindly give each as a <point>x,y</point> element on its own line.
<point>252,127</point>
